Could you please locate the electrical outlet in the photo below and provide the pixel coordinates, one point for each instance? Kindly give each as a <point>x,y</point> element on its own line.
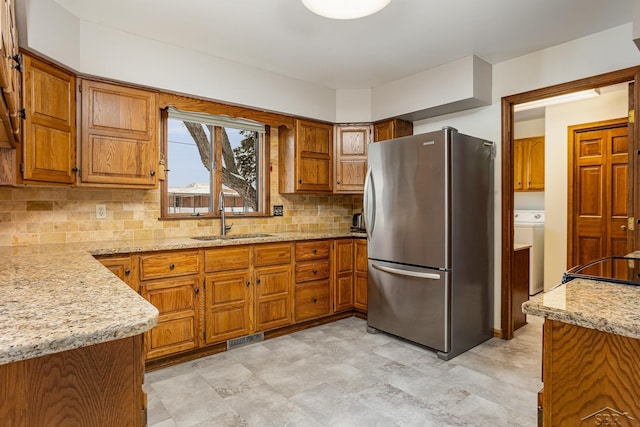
<point>278,210</point>
<point>101,211</point>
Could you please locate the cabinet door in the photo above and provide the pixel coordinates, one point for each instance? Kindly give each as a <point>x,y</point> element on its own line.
<point>351,157</point>
<point>119,135</point>
<point>228,305</point>
<point>391,128</point>
<point>49,149</point>
<point>343,280</point>
<point>314,161</point>
<point>361,275</point>
<point>176,300</point>
<point>535,164</point>
<point>273,296</point>
<point>121,266</point>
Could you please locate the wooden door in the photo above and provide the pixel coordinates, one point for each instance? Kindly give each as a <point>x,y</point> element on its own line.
<point>228,305</point>
<point>176,301</point>
<point>49,150</point>
<point>598,192</point>
<point>119,135</point>
<point>351,157</point>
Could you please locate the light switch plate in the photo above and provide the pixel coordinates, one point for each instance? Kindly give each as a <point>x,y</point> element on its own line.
<point>101,211</point>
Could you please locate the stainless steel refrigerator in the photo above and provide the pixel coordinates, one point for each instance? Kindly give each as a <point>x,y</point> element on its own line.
<point>428,208</point>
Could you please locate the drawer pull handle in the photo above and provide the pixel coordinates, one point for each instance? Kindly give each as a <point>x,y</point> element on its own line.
<point>314,299</point>
<point>315,271</point>
<point>172,266</point>
<point>315,251</point>
<point>127,272</point>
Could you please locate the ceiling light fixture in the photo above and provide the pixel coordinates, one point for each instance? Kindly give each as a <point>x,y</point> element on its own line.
<point>345,9</point>
<point>574,96</point>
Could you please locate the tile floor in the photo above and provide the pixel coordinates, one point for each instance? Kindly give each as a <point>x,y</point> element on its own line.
<point>339,375</point>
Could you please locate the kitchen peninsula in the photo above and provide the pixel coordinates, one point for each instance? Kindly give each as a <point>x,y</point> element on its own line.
<point>591,355</point>
<point>71,332</point>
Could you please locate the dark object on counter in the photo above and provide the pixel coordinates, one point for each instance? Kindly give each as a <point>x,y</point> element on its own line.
<point>357,223</point>
<point>613,269</point>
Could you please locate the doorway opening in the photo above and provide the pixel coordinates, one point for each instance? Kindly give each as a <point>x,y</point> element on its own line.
<point>630,75</point>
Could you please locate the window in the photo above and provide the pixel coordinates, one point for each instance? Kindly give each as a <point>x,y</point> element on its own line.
<point>207,155</point>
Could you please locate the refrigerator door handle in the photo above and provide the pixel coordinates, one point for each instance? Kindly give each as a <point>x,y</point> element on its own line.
<point>391,270</point>
<point>369,204</point>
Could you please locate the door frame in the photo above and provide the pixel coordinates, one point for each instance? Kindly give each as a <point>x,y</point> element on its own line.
<point>631,74</point>
<point>571,214</point>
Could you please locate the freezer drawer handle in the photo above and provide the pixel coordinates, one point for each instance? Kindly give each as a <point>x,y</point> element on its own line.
<point>432,276</point>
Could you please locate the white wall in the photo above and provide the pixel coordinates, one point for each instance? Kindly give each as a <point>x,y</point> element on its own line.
<point>558,118</point>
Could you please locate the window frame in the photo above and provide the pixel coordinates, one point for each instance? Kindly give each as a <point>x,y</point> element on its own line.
<point>263,166</point>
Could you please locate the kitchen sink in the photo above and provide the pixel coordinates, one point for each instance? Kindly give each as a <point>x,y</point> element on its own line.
<point>231,236</point>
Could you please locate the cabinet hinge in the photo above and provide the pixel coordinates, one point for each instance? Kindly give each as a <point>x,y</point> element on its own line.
<point>144,417</point>
<point>632,116</point>
<point>79,86</point>
<point>22,113</point>
<point>631,223</point>
<point>21,167</point>
<point>204,283</point>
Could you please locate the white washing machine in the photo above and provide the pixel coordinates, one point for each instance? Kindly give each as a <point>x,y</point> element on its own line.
<point>529,230</point>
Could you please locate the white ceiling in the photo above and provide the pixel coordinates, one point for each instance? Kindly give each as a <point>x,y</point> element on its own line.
<point>407,37</point>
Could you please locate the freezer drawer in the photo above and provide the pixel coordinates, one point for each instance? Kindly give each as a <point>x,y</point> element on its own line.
<point>410,302</point>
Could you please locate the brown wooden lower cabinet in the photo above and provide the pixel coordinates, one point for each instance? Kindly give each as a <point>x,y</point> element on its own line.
<point>206,297</point>
<point>591,378</point>
<point>98,385</point>
<point>520,288</point>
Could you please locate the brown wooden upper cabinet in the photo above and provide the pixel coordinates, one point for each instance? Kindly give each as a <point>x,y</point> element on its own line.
<point>391,128</point>
<point>306,158</point>
<point>528,164</point>
<point>49,146</point>
<point>119,135</point>
<point>351,157</point>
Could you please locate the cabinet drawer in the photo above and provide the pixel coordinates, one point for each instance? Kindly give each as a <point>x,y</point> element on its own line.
<point>312,300</point>
<point>168,264</point>
<point>319,249</point>
<point>272,254</point>
<point>316,270</point>
<point>224,259</point>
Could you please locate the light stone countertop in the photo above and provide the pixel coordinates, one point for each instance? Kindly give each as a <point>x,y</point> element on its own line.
<point>603,306</point>
<point>58,297</point>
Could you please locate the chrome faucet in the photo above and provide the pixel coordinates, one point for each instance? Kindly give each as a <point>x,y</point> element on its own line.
<point>223,224</point>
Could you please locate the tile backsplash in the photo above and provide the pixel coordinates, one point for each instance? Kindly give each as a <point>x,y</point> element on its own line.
<point>67,215</point>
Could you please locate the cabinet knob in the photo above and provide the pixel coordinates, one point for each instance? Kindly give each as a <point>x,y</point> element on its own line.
<point>315,271</point>
<point>338,182</point>
<point>172,266</point>
<point>315,251</point>
<point>127,272</point>
<point>623,227</point>
<point>314,299</point>
<point>197,290</point>
<point>248,283</point>
<point>258,281</point>
<point>153,173</point>
<point>74,169</point>
<point>300,181</point>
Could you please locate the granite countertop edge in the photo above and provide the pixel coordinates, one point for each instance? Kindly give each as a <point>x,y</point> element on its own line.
<point>58,297</point>
<point>593,304</point>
